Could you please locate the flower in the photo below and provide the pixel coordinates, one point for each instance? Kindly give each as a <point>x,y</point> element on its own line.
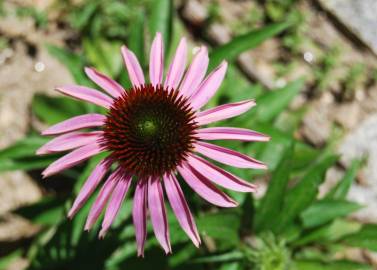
<point>151,132</point>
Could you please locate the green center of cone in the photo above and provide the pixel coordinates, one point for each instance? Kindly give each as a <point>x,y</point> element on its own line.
<point>148,128</point>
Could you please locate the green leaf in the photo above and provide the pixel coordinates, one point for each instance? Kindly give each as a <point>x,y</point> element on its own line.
<point>182,256</point>
<point>73,62</point>
<point>224,257</point>
<point>273,103</point>
<point>103,55</point>
<point>231,266</point>
<point>272,152</point>
<point>6,260</point>
<point>366,237</point>
<point>324,211</point>
<point>48,211</point>
<point>341,189</point>
<point>272,201</point>
<point>304,155</point>
<point>68,244</point>
<point>136,39</point>
<point>245,42</point>
<point>161,20</point>
<point>87,11</point>
<point>222,226</point>
<point>328,233</point>
<point>30,163</point>
<point>336,265</point>
<point>304,193</point>
<point>52,110</point>
<point>21,155</point>
<point>23,148</point>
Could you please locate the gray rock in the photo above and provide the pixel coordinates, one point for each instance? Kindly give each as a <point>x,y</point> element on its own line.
<point>362,142</point>
<point>359,16</point>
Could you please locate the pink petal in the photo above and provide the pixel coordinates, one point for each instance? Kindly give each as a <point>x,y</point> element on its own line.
<point>225,133</point>
<point>73,158</point>
<point>201,185</point>
<point>75,123</point>
<point>139,215</point>
<point>195,73</point>
<point>177,66</point>
<point>115,203</point>
<point>209,86</point>
<point>223,112</point>
<point>135,72</point>
<point>90,185</point>
<point>228,156</point>
<point>69,141</point>
<point>157,211</point>
<point>86,94</point>
<point>156,65</point>
<point>102,198</point>
<point>106,83</point>
<point>180,208</point>
<point>220,176</point>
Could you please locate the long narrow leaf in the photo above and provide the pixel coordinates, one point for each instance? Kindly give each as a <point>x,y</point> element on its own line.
<point>271,204</point>
<point>304,193</point>
<point>273,103</point>
<point>325,211</point>
<point>242,43</point>
<point>161,20</point>
<point>341,189</point>
<point>366,237</point>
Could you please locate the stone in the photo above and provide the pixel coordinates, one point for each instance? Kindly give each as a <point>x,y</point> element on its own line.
<point>316,126</point>
<point>361,143</point>
<point>347,114</point>
<point>358,16</point>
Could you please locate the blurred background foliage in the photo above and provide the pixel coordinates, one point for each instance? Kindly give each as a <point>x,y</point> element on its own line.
<point>289,227</point>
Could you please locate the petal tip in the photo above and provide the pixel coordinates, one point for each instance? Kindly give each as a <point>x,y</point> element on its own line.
<point>263,166</point>
<point>102,234</point>
<point>87,227</point>
<point>41,151</point>
<point>46,173</point>
<point>140,253</point>
<point>46,132</point>
<point>70,215</point>
<point>88,69</point>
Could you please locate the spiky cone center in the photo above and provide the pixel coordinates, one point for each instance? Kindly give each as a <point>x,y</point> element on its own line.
<point>150,130</point>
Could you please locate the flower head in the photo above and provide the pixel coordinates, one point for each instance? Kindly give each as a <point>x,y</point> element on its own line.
<point>152,132</point>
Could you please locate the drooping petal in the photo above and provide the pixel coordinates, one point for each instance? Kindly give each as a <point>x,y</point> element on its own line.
<point>228,156</point>
<point>135,72</point>
<point>71,159</point>
<point>139,214</point>
<point>208,87</point>
<point>223,112</point>
<point>228,133</point>
<point>86,94</point>
<point>204,187</point>
<point>102,198</point>
<point>106,83</point>
<point>90,185</point>
<point>195,73</point>
<point>156,64</point>
<point>220,176</point>
<point>177,66</point>
<point>75,123</point>
<point>180,208</point>
<point>157,211</point>
<point>69,141</point>
<point>115,202</point>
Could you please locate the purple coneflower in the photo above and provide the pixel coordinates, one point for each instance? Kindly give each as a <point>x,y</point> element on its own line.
<point>152,132</point>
